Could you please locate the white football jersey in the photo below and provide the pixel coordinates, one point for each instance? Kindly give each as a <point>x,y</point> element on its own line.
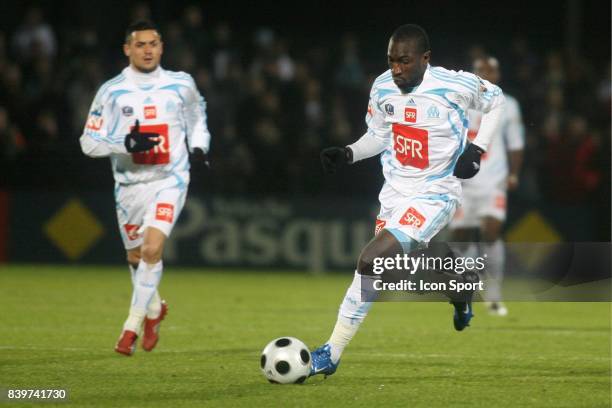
<point>494,163</point>
<point>425,130</point>
<point>165,102</point>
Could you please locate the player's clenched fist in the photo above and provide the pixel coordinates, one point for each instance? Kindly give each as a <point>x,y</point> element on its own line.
<point>468,163</point>
<point>200,156</point>
<point>137,141</point>
<point>334,157</point>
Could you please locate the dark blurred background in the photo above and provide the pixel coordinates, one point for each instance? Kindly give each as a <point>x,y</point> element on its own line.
<point>284,80</point>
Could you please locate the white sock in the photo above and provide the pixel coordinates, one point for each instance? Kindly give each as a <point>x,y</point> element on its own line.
<point>132,274</point>
<point>353,310</point>
<point>154,308</point>
<point>146,280</point>
<point>496,255</point>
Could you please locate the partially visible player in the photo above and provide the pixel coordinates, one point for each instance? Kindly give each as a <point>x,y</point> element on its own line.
<point>417,121</point>
<point>483,210</point>
<point>147,120</point>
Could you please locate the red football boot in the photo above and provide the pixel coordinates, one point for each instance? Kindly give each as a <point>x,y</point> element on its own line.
<point>127,343</point>
<point>151,328</point>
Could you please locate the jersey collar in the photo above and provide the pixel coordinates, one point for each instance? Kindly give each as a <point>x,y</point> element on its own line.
<point>143,78</point>
<point>426,76</point>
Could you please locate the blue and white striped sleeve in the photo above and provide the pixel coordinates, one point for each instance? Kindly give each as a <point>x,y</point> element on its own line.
<point>95,141</point>
<point>488,97</point>
<point>376,138</point>
<point>491,101</point>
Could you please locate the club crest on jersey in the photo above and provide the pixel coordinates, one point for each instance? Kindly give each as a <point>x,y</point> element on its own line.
<point>170,106</point>
<point>127,111</point>
<point>389,109</point>
<point>413,218</point>
<point>150,112</point>
<point>164,212</point>
<point>410,114</point>
<point>433,112</point>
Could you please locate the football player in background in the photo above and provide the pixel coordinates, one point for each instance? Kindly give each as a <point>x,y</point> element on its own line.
<point>147,120</point>
<point>417,121</point>
<point>483,209</point>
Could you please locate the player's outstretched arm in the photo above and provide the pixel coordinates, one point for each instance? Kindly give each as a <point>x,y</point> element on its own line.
<point>95,147</point>
<point>94,144</point>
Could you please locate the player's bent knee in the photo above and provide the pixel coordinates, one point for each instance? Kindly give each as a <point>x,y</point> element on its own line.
<point>383,245</point>
<point>365,263</point>
<point>133,256</point>
<point>151,252</point>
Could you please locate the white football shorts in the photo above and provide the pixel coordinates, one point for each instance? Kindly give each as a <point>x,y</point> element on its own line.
<point>478,204</point>
<point>419,217</point>
<point>152,204</point>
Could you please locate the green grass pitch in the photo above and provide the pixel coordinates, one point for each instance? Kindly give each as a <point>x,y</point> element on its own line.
<point>58,326</point>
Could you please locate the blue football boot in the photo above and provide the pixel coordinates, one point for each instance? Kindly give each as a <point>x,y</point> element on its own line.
<point>463,314</point>
<point>322,362</point>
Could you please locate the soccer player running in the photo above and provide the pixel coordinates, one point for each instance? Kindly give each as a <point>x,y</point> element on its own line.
<point>417,121</point>
<point>142,119</point>
<point>483,209</point>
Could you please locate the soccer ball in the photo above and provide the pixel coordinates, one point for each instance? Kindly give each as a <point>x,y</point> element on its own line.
<point>285,360</point>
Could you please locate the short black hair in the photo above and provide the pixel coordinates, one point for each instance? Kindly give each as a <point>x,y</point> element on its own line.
<point>140,25</point>
<point>412,32</point>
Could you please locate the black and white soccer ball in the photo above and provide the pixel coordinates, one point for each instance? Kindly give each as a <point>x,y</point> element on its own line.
<point>285,360</point>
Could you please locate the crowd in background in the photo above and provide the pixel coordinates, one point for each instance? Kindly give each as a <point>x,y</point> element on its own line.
<point>273,105</point>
